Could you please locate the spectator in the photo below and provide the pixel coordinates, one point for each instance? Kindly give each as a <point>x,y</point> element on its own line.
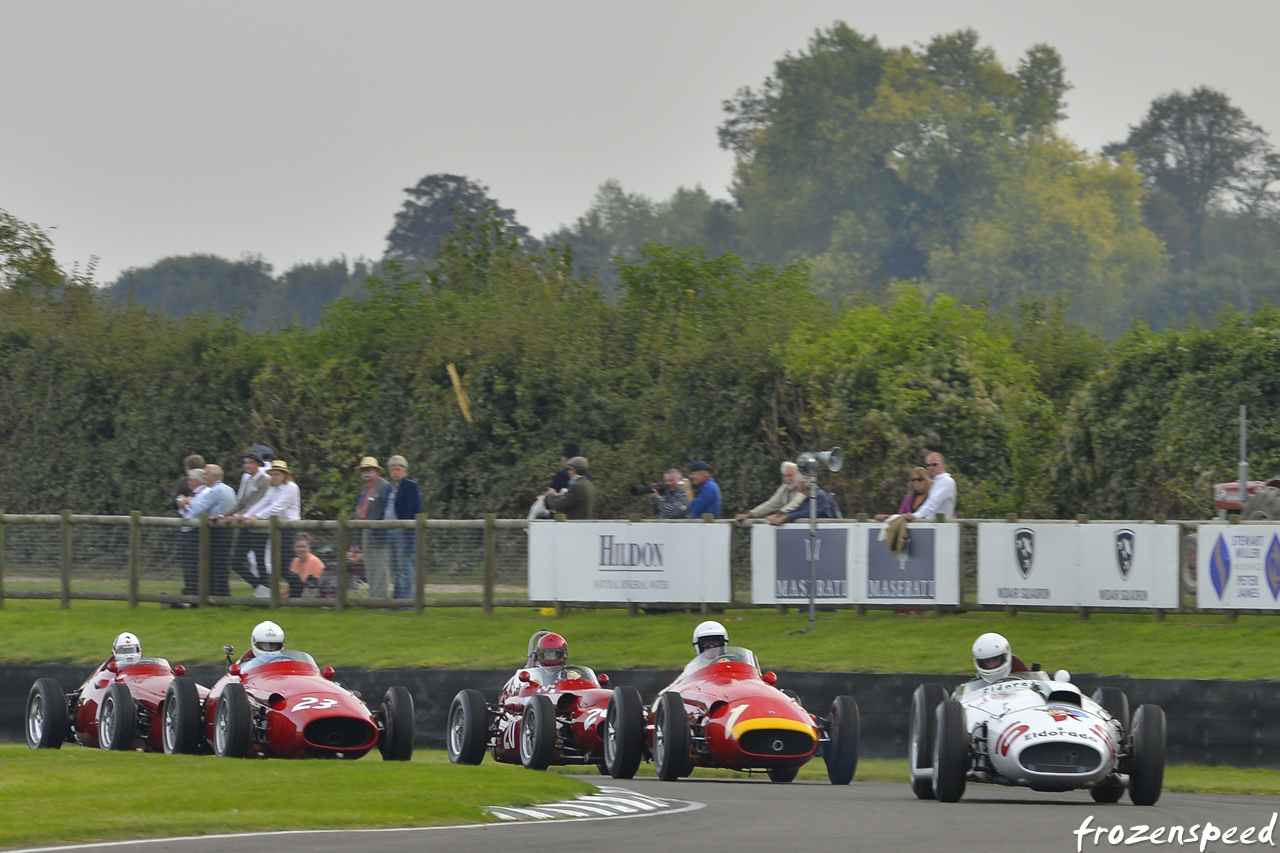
<point>247,545</point>
<point>283,500</point>
<point>942,492</point>
<point>404,501</point>
<point>188,536</point>
<point>560,481</point>
<point>675,503</point>
<point>268,455</point>
<point>826,505</point>
<point>305,569</point>
<point>579,503</point>
<point>785,499</point>
<point>372,505</point>
<point>708,491</point>
<point>213,499</point>
<point>182,488</point>
<point>917,493</point>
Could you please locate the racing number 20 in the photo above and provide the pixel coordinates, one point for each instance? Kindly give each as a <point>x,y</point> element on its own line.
<point>313,704</point>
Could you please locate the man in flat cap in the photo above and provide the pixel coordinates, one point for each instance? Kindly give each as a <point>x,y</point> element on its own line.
<point>707,498</point>
<point>579,502</point>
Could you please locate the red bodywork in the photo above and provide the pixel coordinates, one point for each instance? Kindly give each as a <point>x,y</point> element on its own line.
<point>738,720</point>
<point>147,681</point>
<point>580,703</point>
<point>1226,496</point>
<point>297,712</point>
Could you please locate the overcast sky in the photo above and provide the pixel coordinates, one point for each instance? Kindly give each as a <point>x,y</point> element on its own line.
<point>138,130</point>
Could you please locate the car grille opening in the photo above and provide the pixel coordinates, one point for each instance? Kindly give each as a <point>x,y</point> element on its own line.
<point>1060,758</point>
<point>779,742</point>
<point>339,732</point>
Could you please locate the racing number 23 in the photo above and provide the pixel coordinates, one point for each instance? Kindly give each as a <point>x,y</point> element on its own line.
<point>314,704</point>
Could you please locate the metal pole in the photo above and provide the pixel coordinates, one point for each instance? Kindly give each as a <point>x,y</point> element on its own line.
<point>1244,458</point>
<point>813,548</point>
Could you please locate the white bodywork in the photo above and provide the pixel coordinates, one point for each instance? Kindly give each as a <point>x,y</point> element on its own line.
<point>1039,733</point>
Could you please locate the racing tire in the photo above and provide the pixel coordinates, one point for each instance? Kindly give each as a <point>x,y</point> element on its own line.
<point>624,733</point>
<point>396,743</point>
<point>538,734</point>
<point>232,722</point>
<point>180,718</point>
<point>671,740</point>
<point>1114,701</point>
<point>1110,790</point>
<point>468,732</point>
<point>117,719</point>
<point>924,705</point>
<point>841,752</point>
<point>1262,505</point>
<point>1146,755</point>
<point>783,775</point>
<point>46,715</point>
<point>950,752</point>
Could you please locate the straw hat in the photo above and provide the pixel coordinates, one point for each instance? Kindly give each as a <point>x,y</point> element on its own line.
<point>369,462</point>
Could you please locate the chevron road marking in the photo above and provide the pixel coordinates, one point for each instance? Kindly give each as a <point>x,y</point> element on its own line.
<point>610,802</point>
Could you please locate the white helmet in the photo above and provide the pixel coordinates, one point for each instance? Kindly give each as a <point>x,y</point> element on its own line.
<point>709,634</point>
<point>127,649</point>
<point>267,638</point>
<point>992,657</point>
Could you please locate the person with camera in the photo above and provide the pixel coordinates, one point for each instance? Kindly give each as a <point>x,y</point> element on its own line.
<point>669,499</point>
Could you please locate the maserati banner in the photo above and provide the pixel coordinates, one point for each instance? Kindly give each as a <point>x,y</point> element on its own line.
<point>1238,566</point>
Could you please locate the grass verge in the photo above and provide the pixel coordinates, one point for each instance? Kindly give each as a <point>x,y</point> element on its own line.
<point>1182,646</point>
<point>79,794</point>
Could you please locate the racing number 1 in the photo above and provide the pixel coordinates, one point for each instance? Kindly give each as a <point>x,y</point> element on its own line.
<point>313,704</point>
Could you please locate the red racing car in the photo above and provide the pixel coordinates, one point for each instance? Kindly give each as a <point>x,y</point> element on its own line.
<point>129,701</point>
<point>551,712</point>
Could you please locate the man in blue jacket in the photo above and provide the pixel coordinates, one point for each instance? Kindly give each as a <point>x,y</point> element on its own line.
<point>403,501</point>
<point>707,497</point>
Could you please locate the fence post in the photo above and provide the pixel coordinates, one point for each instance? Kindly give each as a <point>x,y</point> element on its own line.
<point>490,560</point>
<point>344,543</point>
<point>204,562</point>
<point>276,561</point>
<point>560,516</point>
<point>1,559</point>
<point>135,556</point>
<point>66,559</point>
<point>707,518</point>
<point>420,563</point>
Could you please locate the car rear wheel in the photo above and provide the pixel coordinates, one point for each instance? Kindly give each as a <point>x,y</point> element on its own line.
<point>670,737</point>
<point>468,733</point>
<point>1146,755</point>
<point>232,722</point>
<point>841,751</point>
<point>46,715</point>
<point>623,733</point>
<point>783,775</point>
<point>538,733</point>
<point>924,705</point>
<point>950,752</point>
<point>180,722</point>
<point>117,718</point>
<point>1114,701</point>
<point>396,743</point>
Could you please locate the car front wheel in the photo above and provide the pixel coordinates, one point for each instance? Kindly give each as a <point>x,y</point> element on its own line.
<point>46,715</point>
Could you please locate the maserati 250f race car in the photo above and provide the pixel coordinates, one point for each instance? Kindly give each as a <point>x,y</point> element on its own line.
<point>1028,730</point>
<point>722,712</point>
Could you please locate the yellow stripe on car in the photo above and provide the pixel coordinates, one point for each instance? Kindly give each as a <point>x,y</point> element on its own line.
<point>773,723</point>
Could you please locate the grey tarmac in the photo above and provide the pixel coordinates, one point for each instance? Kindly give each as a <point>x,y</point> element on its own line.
<point>745,815</point>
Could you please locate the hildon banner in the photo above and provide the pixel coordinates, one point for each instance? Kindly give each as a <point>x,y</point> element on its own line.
<point>655,562</point>
<point>1238,566</point>
<point>854,566</point>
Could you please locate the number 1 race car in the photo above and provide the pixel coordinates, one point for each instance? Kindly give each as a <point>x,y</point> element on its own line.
<point>1030,731</point>
<point>721,712</point>
<point>545,715</point>
<point>283,706</point>
<point>117,707</point>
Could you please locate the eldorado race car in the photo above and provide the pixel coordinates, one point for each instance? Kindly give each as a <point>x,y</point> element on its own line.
<point>117,707</point>
<point>722,712</point>
<point>286,707</point>
<point>1030,731</point>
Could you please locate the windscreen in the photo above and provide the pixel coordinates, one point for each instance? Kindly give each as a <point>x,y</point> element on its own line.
<point>724,654</point>
<point>545,675</point>
<point>277,657</point>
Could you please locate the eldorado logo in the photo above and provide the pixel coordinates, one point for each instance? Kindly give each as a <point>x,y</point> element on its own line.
<point>1024,548</point>
<point>1124,551</point>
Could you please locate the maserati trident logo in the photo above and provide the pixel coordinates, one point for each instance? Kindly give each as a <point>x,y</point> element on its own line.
<point>1024,548</point>
<point>1124,552</point>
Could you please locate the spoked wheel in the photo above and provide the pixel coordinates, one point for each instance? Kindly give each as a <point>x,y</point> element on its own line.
<point>46,715</point>
<point>924,704</point>
<point>950,752</point>
<point>538,733</point>
<point>671,743</point>
<point>623,733</point>
<point>180,725</point>
<point>468,733</point>
<point>397,725</point>
<point>841,751</point>
<point>117,719</point>
<point>232,722</point>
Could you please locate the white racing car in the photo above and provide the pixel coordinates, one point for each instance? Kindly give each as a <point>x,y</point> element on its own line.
<point>1011,726</point>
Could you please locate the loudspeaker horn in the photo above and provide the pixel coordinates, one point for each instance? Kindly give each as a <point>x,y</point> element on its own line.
<point>833,459</point>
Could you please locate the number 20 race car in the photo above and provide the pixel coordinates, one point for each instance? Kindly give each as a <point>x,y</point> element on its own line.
<point>1030,731</point>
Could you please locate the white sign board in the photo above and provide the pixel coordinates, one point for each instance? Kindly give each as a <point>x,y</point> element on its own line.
<point>634,562</point>
<point>1238,566</point>
<point>854,567</point>
<point>1129,565</point>
<point>1027,564</point>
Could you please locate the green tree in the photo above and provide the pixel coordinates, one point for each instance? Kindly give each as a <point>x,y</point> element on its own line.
<point>26,254</point>
<point>434,206</point>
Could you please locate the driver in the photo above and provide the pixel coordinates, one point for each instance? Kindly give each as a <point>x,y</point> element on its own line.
<point>993,658</point>
<point>267,643</point>
<point>126,650</point>
<point>708,636</point>
<point>551,650</point>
